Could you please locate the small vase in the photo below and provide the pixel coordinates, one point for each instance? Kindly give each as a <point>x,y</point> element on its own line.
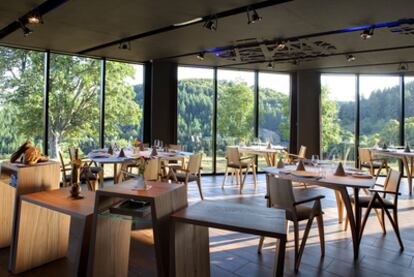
<point>75,190</point>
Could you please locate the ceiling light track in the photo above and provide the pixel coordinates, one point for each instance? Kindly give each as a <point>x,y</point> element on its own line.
<point>235,11</point>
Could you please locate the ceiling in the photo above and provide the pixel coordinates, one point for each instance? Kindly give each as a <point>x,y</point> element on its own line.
<point>76,25</point>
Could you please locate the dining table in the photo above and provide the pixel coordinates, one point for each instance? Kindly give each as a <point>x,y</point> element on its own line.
<point>102,157</point>
<point>354,179</point>
<point>407,158</point>
<point>268,152</point>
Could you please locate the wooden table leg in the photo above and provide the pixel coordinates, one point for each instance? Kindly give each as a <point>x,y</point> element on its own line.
<point>340,206</point>
<point>278,267</point>
<point>352,221</point>
<point>116,173</point>
<point>409,173</point>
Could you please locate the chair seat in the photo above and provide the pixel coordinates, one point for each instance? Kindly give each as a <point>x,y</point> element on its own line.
<point>242,165</point>
<point>181,177</point>
<point>302,212</point>
<point>368,165</point>
<point>96,169</point>
<point>91,176</point>
<point>364,202</point>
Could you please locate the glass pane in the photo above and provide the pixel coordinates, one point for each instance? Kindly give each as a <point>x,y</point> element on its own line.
<point>21,99</point>
<point>380,111</point>
<point>195,112</point>
<point>235,111</point>
<point>124,103</point>
<point>73,104</point>
<point>274,107</point>
<point>338,117</point>
<point>409,110</point>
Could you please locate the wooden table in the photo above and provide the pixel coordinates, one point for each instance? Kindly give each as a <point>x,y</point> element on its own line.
<point>52,225</point>
<point>268,153</point>
<point>339,184</point>
<point>406,157</point>
<point>190,256</point>
<point>111,234</point>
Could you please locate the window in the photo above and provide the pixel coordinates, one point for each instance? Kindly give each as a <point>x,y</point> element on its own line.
<point>73,104</point>
<point>195,112</point>
<point>338,104</point>
<point>409,110</point>
<point>124,102</point>
<point>21,99</point>
<point>274,121</point>
<point>235,111</point>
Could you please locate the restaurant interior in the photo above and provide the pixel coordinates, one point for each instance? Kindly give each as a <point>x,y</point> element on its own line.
<point>206,138</point>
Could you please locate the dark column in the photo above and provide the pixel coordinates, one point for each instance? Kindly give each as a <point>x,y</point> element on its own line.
<point>102,105</point>
<point>308,111</point>
<point>147,102</point>
<point>164,102</point>
<point>293,135</point>
<point>46,89</point>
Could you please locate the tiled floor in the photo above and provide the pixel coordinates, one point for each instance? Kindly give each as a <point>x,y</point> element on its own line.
<point>235,254</point>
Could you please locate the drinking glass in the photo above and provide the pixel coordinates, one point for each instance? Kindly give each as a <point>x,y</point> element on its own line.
<point>315,160</point>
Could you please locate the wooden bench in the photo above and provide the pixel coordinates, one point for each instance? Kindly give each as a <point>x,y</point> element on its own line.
<point>190,252</point>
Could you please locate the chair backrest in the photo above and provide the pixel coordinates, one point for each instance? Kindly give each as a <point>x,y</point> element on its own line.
<point>364,155</point>
<point>73,153</point>
<point>392,183</point>
<point>233,155</point>
<point>152,170</point>
<point>302,152</point>
<point>177,147</point>
<point>62,162</point>
<point>194,164</point>
<point>281,193</point>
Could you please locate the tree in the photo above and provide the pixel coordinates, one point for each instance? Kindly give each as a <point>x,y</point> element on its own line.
<point>331,130</point>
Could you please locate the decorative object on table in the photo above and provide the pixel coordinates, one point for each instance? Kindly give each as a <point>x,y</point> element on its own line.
<point>384,146</point>
<point>28,154</point>
<point>301,166</point>
<point>136,144</point>
<point>280,163</point>
<point>269,145</point>
<point>18,155</point>
<point>141,147</point>
<point>407,148</point>
<point>122,153</point>
<point>154,151</point>
<point>110,149</point>
<point>340,171</point>
<point>76,189</point>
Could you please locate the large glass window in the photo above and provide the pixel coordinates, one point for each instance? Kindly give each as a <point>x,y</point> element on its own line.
<point>409,110</point>
<point>235,111</point>
<point>195,112</point>
<point>21,99</point>
<point>274,121</point>
<point>338,98</point>
<point>73,104</point>
<point>124,102</point>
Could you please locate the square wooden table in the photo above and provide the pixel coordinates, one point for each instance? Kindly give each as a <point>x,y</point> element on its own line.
<point>190,254</point>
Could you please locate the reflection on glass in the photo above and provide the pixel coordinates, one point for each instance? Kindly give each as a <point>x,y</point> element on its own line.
<point>195,112</point>
<point>235,111</point>
<point>338,117</point>
<point>21,99</point>
<point>73,104</point>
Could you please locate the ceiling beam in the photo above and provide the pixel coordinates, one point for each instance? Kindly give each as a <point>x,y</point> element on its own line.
<point>176,26</point>
<point>42,9</point>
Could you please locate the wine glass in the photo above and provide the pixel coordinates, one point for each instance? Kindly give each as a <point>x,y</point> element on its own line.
<point>315,160</point>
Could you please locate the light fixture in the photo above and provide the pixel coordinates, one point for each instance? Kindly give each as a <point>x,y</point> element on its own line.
<point>403,67</point>
<point>200,56</point>
<point>367,33</point>
<point>280,45</point>
<point>189,22</point>
<point>26,31</point>
<point>211,24</point>
<point>270,65</point>
<point>350,58</point>
<point>34,18</point>
<point>126,45</point>
<point>252,16</point>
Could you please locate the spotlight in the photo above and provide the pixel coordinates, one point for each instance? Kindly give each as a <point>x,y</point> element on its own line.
<point>34,18</point>
<point>280,45</point>
<point>270,65</point>
<point>211,24</point>
<point>26,31</point>
<point>253,16</point>
<point>367,33</point>
<point>350,58</point>
<point>403,67</point>
<point>126,45</point>
<point>200,56</point>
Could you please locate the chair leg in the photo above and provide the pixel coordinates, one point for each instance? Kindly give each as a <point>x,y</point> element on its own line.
<point>260,246</point>
<point>321,231</point>
<point>236,173</point>
<point>296,233</point>
<point>232,177</point>
<point>254,175</point>
<point>199,187</point>
<point>397,229</point>
<point>302,244</point>
<point>225,177</point>
<point>382,221</point>
<point>364,221</point>
<point>101,179</point>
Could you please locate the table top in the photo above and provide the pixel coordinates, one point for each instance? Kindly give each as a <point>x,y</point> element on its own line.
<point>129,189</point>
<point>261,148</point>
<point>392,152</point>
<point>61,201</point>
<point>269,222</point>
<point>330,179</point>
<point>17,166</point>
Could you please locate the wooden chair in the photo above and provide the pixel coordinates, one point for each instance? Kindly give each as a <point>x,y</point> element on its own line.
<point>281,196</point>
<point>151,172</point>
<point>86,176</point>
<point>292,157</point>
<point>191,173</point>
<point>172,165</point>
<point>237,164</point>
<point>65,169</point>
<point>379,200</point>
<point>95,170</point>
<point>367,160</point>
<point>177,147</point>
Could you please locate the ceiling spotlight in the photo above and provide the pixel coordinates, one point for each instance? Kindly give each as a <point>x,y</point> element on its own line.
<point>350,58</point>
<point>34,18</point>
<point>403,67</point>
<point>26,31</point>
<point>280,45</point>
<point>126,45</point>
<point>252,16</point>
<point>367,33</point>
<point>211,24</point>
<point>270,65</point>
<point>200,56</point>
